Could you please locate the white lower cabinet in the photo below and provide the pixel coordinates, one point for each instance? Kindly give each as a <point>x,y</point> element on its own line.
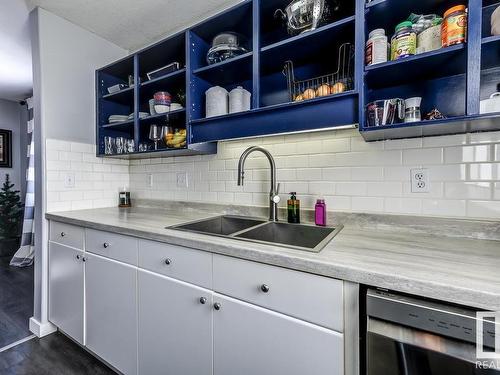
<point>175,327</point>
<point>147,323</point>
<point>111,311</point>
<point>66,270</point>
<point>250,340</point>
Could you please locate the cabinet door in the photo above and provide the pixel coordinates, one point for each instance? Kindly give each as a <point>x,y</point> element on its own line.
<point>111,311</point>
<point>175,327</point>
<point>250,340</point>
<point>66,289</point>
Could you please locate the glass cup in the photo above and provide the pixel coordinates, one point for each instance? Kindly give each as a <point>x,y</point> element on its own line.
<point>130,146</point>
<point>120,145</point>
<point>154,135</point>
<point>109,145</point>
<point>143,147</point>
<point>167,134</point>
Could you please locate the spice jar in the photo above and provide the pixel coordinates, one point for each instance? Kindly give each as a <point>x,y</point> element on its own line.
<point>454,26</point>
<point>404,41</point>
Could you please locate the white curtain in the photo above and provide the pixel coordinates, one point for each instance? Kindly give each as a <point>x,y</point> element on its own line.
<point>24,256</point>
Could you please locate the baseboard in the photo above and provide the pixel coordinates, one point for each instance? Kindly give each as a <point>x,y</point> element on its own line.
<point>41,329</point>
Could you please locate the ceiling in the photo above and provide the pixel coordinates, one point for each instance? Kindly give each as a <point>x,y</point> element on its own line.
<point>132,24</point>
<point>16,77</point>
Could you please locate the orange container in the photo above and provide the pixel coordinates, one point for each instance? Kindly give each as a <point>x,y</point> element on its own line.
<point>454,26</point>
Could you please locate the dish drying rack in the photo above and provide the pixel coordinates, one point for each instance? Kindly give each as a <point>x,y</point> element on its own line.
<point>343,75</point>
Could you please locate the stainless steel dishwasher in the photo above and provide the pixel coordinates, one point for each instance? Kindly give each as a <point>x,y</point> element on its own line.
<point>410,336</point>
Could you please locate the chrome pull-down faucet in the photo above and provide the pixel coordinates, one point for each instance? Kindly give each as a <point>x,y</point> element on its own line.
<point>274,198</point>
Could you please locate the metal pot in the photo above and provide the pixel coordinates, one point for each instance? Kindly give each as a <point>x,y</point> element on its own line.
<point>307,15</point>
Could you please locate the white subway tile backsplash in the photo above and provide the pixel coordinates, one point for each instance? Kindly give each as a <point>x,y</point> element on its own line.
<point>409,206</point>
<point>97,180</point>
<point>428,156</point>
<point>483,209</point>
<point>349,173</point>
<point>467,154</point>
<point>367,204</point>
<point>468,190</point>
<point>436,207</point>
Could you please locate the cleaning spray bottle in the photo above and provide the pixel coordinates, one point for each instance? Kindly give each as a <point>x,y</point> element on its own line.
<point>293,205</point>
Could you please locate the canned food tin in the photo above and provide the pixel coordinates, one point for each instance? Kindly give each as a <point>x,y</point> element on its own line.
<point>454,26</point>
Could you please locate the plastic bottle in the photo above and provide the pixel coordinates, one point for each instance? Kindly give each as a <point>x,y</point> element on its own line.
<point>454,26</point>
<point>293,205</point>
<point>376,47</point>
<point>404,41</point>
<point>320,213</point>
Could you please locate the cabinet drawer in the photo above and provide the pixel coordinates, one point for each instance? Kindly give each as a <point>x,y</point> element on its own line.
<point>192,266</point>
<point>112,245</point>
<point>65,234</point>
<point>312,298</point>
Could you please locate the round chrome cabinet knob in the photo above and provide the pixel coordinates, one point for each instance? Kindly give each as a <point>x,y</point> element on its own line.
<point>217,306</point>
<point>105,245</point>
<point>203,300</point>
<point>78,257</point>
<point>63,234</point>
<point>264,288</point>
<point>168,262</point>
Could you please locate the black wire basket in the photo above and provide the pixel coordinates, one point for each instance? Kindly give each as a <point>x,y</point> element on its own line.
<point>329,84</point>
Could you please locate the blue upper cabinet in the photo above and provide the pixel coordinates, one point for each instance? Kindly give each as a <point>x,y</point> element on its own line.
<point>298,80</point>
<point>451,79</point>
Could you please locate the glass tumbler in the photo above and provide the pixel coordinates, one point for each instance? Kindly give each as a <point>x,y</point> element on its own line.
<point>109,145</point>
<point>120,145</point>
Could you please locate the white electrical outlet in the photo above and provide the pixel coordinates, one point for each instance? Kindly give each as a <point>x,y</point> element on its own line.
<point>182,180</point>
<point>150,180</point>
<point>69,180</point>
<point>420,181</point>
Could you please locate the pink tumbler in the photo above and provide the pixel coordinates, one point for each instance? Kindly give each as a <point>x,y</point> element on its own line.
<point>320,212</point>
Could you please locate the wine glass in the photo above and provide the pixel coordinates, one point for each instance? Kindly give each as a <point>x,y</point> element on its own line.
<point>154,135</point>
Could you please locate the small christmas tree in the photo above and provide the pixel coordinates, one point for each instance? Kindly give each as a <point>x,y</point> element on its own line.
<point>11,210</point>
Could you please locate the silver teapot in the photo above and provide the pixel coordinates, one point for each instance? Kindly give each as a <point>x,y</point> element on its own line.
<point>306,15</point>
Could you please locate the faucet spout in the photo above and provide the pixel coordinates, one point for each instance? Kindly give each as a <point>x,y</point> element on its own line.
<point>274,198</point>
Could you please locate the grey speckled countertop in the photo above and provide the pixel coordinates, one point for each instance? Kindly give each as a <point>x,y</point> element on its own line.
<point>458,270</point>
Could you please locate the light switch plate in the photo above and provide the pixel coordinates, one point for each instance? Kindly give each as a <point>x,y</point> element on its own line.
<point>420,181</point>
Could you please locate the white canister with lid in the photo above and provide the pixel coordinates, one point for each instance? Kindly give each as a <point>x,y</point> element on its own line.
<point>216,101</point>
<point>376,47</point>
<point>239,100</point>
<point>490,105</point>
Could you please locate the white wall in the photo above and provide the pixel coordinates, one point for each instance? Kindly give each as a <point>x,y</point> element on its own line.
<point>10,119</point>
<point>65,57</point>
<point>352,175</point>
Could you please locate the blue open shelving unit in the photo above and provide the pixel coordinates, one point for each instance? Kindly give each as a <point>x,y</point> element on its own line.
<point>452,79</point>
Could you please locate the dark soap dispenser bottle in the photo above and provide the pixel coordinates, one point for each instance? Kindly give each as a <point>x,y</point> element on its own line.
<point>293,205</point>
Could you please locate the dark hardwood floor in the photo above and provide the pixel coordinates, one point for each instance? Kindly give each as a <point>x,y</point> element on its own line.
<point>16,302</point>
<point>51,355</point>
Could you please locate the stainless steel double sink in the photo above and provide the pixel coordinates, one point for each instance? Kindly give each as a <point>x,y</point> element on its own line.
<point>295,236</point>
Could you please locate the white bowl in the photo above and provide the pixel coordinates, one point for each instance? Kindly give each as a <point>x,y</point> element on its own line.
<point>161,108</point>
